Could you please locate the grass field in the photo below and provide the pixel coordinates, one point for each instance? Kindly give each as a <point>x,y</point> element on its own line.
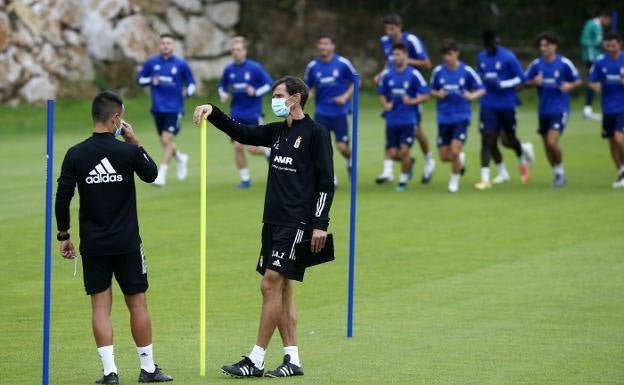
<point>522,284</point>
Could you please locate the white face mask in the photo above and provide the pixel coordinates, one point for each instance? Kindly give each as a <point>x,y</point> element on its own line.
<point>118,130</point>
<point>280,109</point>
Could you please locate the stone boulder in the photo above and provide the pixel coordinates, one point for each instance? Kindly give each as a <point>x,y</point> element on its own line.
<point>109,9</point>
<point>38,89</point>
<point>71,12</point>
<point>11,71</point>
<point>204,39</point>
<point>191,6</point>
<point>99,36</point>
<point>177,21</point>
<point>206,70</point>
<point>135,38</point>
<point>5,31</point>
<point>225,15</point>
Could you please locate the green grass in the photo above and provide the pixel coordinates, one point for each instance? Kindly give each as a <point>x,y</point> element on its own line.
<point>516,285</point>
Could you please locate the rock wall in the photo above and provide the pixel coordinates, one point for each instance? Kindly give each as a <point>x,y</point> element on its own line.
<point>71,48</point>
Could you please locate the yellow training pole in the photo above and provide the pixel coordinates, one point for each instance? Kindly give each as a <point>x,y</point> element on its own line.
<point>202,255</point>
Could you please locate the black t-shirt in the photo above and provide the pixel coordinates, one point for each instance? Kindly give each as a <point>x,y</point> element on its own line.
<point>300,184</point>
<point>103,169</point>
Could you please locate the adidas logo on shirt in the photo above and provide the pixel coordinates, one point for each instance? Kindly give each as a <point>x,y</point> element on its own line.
<point>277,263</point>
<point>103,173</point>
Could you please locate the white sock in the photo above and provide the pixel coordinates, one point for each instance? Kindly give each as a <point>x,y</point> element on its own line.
<point>267,151</point>
<point>403,178</point>
<point>163,169</point>
<point>146,357</point>
<point>388,167</point>
<point>244,174</point>
<point>455,178</point>
<point>558,168</point>
<point>293,352</point>
<point>348,160</point>
<point>108,359</point>
<point>485,174</point>
<point>257,356</point>
<point>502,169</point>
<point>179,155</point>
<point>428,157</point>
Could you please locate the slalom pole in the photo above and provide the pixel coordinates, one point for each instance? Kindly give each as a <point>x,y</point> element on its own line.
<point>47,274</point>
<point>354,172</point>
<point>202,255</point>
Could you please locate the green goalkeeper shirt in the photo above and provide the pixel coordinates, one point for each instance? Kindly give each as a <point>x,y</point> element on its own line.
<point>591,40</point>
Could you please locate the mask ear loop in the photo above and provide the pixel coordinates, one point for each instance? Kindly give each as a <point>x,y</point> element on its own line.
<point>75,258</point>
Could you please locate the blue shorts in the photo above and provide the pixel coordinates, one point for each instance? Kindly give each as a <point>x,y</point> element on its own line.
<point>167,122</point>
<point>339,124</point>
<point>554,122</point>
<point>497,120</point>
<point>612,123</point>
<point>398,135</point>
<point>453,131</point>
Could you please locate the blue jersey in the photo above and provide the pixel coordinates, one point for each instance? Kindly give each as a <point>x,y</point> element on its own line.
<point>552,101</point>
<point>237,77</point>
<point>331,79</point>
<point>416,48</point>
<point>173,75</point>
<point>454,108</point>
<point>393,85</point>
<point>609,73</point>
<point>501,72</point>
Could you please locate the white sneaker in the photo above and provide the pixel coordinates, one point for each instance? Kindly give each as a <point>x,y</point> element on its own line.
<point>588,113</point>
<point>453,186</point>
<point>160,180</point>
<point>501,178</point>
<point>618,184</point>
<point>428,170</point>
<point>182,165</point>
<point>528,153</point>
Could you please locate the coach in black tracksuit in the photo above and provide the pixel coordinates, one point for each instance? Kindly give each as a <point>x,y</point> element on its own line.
<point>103,168</point>
<point>300,188</point>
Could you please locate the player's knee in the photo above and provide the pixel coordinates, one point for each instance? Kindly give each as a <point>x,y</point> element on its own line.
<point>271,285</point>
<point>404,152</point>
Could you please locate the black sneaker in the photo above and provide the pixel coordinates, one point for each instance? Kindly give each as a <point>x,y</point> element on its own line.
<point>243,368</point>
<point>110,378</point>
<point>383,179</point>
<point>286,369</point>
<point>157,376</point>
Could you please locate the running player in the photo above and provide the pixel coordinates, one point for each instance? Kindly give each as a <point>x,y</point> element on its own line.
<point>418,58</point>
<point>401,89</point>
<point>455,85</point>
<point>501,73</point>
<point>554,76</point>
<point>591,48</point>
<point>607,76</point>
<point>248,82</point>
<point>170,80</point>
<point>331,77</point>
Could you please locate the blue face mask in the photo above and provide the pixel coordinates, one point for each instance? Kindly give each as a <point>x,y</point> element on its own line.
<point>280,109</point>
<point>118,130</point>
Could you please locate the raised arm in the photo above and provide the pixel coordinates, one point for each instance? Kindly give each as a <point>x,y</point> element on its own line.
<point>252,135</point>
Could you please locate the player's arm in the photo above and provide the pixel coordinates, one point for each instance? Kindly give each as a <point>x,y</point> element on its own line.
<point>474,84</point>
<point>532,75</point>
<point>341,100</point>
<point>265,84</point>
<point>420,63</point>
<point>322,157</point>
<point>189,81</point>
<point>517,75</point>
<point>245,134</point>
<point>348,75</point>
<point>422,91</point>
<point>436,90</point>
<point>595,78</point>
<point>385,104</point>
<point>144,77</point>
<point>223,86</point>
<point>382,91</point>
<point>64,194</point>
<point>418,99</point>
<point>571,77</point>
<point>144,165</point>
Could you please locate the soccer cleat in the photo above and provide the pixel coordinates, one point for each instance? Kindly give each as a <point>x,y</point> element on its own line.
<point>286,369</point>
<point>453,186</point>
<point>244,184</point>
<point>528,153</point>
<point>559,180</point>
<point>382,179</point>
<point>428,171</point>
<point>243,368</point>
<point>525,174</point>
<point>410,173</point>
<point>588,113</point>
<point>462,160</point>
<point>110,378</point>
<point>182,166</point>
<point>160,181</point>
<point>502,178</point>
<point>619,182</point>
<point>401,187</point>
<point>157,376</point>
<point>484,184</point>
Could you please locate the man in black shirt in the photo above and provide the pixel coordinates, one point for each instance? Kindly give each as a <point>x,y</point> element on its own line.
<point>103,169</point>
<point>300,189</point>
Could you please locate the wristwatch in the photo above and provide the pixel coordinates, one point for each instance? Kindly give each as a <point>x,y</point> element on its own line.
<point>62,237</point>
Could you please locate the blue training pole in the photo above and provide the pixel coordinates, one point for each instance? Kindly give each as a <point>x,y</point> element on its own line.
<point>354,172</point>
<point>614,21</point>
<point>45,377</point>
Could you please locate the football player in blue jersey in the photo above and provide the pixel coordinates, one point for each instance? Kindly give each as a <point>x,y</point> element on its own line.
<point>607,76</point>
<point>330,77</point>
<point>247,81</point>
<point>170,80</point>
<point>555,76</point>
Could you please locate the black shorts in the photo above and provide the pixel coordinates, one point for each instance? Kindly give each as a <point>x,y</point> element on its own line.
<point>278,250</point>
<point>167,122</point>
<point>130,272</point>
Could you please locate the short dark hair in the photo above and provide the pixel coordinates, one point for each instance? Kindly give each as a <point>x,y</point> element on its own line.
<point>490,38</point>
<point>105,105</point>
<point>167,34</point>
<point>549,37</point>
<point>294,85</point>
<point>392,19</point>
<point>400,46</point>
<point>449,45</point>
<point>613,36</point>
<point>325,36</point>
